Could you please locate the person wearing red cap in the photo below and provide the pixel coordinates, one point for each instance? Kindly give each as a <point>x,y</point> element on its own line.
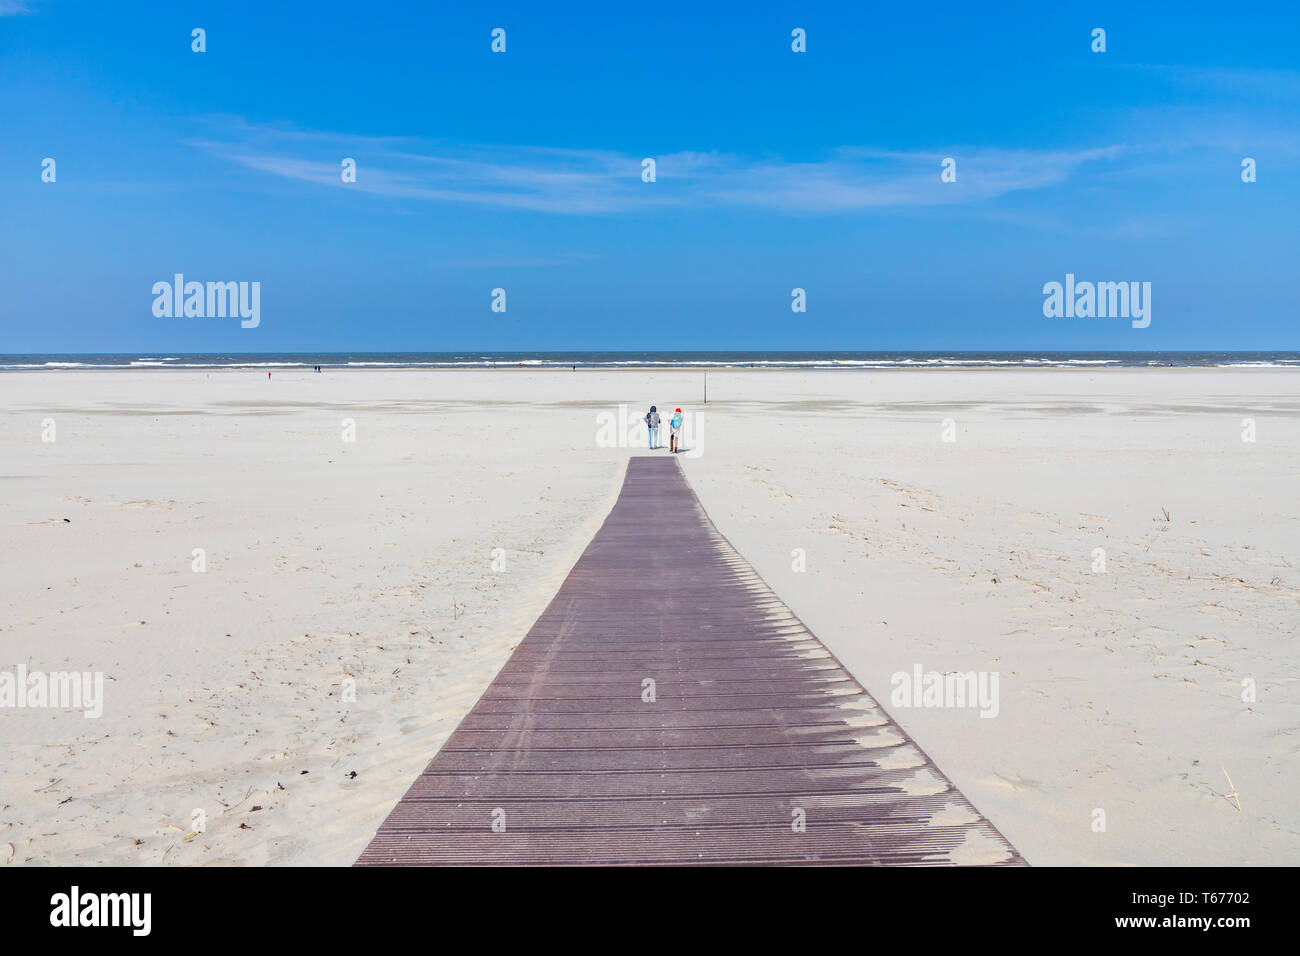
<point>675,424</point>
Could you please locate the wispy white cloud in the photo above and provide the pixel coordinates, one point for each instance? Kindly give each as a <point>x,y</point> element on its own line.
<point>578,182</point>
<point>856,178</point>
<point>538,180</point>
<point>9,8</point>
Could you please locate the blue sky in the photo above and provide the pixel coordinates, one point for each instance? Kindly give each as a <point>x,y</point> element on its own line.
<point>522,170</point>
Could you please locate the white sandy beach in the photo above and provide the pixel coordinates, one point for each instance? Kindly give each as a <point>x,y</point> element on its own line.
<point>332,564</point>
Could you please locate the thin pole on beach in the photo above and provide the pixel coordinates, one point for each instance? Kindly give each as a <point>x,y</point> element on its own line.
<point>706,388</point>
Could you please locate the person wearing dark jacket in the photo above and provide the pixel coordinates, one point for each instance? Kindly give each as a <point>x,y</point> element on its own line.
<point>652,423</point>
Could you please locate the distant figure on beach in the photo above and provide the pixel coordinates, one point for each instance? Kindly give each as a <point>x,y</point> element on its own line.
<point>652,423</point>
<point>675,426</point>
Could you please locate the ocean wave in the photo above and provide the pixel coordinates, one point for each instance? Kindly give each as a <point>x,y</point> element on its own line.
<point>612,361</point>
<point>1259,365</point>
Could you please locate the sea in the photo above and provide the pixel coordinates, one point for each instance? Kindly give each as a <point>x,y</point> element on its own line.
<point>616,360</point>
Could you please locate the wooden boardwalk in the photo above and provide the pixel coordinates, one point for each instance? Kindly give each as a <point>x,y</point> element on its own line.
<point>667,708</point>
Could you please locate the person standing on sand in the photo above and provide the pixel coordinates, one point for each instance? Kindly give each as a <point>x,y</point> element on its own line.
<point>652,423</point>
<point>675,426</point>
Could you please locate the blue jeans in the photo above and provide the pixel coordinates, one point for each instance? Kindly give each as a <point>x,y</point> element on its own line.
<point>654,437</point>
